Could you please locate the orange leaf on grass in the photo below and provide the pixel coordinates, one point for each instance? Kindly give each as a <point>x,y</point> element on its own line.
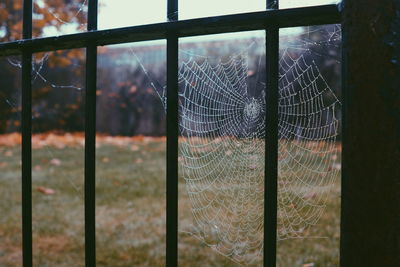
<point>55,162</point>
<point>37,168</point>
<point>310,195</point>
<point>135,148</point>
<point>139,160</point>
<point>3,164</point>
<point>46,191</point>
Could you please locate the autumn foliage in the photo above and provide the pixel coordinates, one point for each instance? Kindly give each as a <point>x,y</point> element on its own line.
<point>62,140</point>
<point>47,15</point>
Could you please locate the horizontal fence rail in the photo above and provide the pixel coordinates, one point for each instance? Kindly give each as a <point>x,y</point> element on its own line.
<point>295,17</point>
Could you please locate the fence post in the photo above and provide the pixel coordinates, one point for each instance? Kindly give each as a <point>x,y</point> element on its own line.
<point>271,141</point>
<point>172,139</point>
<point>26,156</point>
<point>371,131</point>
<point>90,140</point>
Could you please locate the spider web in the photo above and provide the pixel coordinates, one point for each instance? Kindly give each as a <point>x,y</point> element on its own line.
<point>38,64</point>
<point>79,6</point>
<point>308,128</point>
<point>222,152</point>
<point>222,125</point>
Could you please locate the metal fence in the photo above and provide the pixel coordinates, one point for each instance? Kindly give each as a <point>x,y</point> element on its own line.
<point>270,20</point>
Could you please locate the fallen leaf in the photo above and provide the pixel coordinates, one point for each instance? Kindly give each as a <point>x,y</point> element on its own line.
<point>253,166</point>
<point>3,164</point>
<point>55,162</point>
<point>37,168</point>
<point>139,160</point>
<point>105,159</point>
<point>310,195</point>
<point>337,166</point>
<point>135,148</point>
<point>46,191</point>
<point>59,145</point>
<point>8,153</point>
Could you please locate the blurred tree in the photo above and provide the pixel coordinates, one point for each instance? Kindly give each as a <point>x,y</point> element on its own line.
<point>10,20</point>
<point>127,103</point>
<point>49,17</point>
<point>9,97</point>
<point>55,15</point>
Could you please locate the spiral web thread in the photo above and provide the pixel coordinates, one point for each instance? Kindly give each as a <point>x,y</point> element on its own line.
<point>222,151</point>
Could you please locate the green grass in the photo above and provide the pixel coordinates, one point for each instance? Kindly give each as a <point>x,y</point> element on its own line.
<point>130,212</point>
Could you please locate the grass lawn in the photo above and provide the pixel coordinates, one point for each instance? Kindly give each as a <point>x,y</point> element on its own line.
<point>130,211</point>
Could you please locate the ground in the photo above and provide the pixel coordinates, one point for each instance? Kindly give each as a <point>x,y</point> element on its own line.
<point>130,209</point>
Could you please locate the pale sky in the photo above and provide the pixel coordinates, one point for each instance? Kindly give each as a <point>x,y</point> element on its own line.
<point>120,13</point>
<point>124,13</point>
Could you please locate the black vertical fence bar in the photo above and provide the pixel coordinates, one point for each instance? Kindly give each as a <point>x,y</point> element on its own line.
<point>271,145</point>
<point>344,141</point>
<point>26,139</point>
<point>90,141</point>
<point>172,140</point>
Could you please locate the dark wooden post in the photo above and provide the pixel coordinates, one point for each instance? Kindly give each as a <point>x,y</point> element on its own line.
<point>371,144</point>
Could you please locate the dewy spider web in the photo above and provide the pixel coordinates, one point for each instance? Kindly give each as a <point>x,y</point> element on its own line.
<point>308,128</point>
<point>38,64</point>
<point>222,147</point>
<point>222,150</point>
<point>222,128</point>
